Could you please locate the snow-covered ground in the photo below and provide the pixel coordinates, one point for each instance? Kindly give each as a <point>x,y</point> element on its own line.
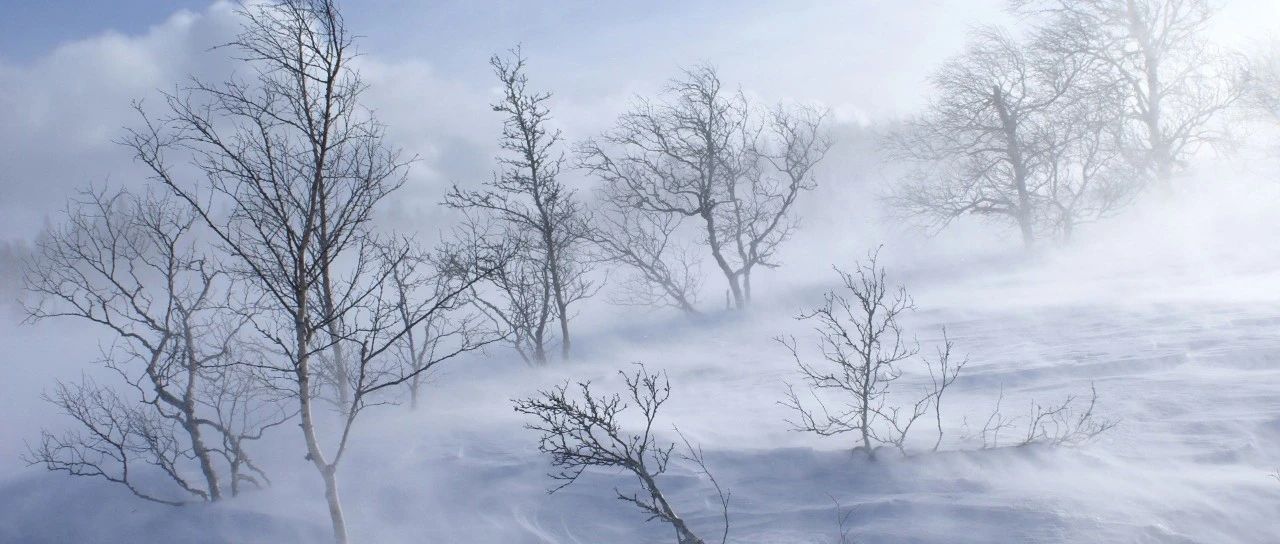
<point>1188,362</point>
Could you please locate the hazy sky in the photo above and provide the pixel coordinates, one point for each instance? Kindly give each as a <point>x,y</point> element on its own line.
<point>69,71</point>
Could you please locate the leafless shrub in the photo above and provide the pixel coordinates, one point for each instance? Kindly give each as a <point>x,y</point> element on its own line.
<point>584,430</point>
<point>693,454</point>
<point>995,423</point>
<point>862,345</point>
<point>943,372</point>
<point>1062,424</point>
<point>842,522</point>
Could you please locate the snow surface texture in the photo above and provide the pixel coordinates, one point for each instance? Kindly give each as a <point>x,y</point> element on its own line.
<point>1187,358</point>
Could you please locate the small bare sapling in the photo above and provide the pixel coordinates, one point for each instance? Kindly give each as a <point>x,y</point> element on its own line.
<point>584,430</point>
<point>862,345</point>
<point>1062,424</point>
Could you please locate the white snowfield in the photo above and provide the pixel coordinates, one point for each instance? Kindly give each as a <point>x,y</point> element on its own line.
<point>1189,364</point>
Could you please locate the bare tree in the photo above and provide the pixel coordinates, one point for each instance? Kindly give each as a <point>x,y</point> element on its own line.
<point>942,373</point>
<point>976,151</point>
<point>587,432</point>
<point>1176,83</point>
<point>1086,174</point>
<point>534,209</point>
<point>862,345</point>
<point>128,264</point>
<point>429,341</point>
<point>758,217</point>
<point>1262,93</point>
<point>290,169</point>
<point>515,297</point>
<point>663,271</point>
<point>705,153</point>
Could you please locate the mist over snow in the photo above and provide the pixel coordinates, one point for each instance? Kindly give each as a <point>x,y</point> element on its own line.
<point>1121,358</point>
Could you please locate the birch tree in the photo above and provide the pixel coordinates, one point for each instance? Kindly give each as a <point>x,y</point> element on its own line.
<point>548,226</point>
<point>289,170</point>
<point>130,265</point>
<point>709,155</point>
<point>419,280</point>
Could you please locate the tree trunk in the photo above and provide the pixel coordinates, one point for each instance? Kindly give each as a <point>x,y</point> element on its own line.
<point>564,326</point>
<point>327,471</point>
<point>235,474</point>
<point>557,287</point>
<point>340,377</point>
<point>330,474</point>
<point>307,421</point>
<point>206,463</point>
<point>1026,230</point>
<point>414,354</point>
<point>544,316</point>
<point>735,290</point>
<point>866,398</point>
<point>198,447</point>
<point>1013,147</point>
<point>1161,161</point>
<point>683,534</point>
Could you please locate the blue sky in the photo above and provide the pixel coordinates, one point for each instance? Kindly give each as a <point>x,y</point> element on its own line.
<point>32,27</point>
<point>29,28</point>
<point>69,71</point>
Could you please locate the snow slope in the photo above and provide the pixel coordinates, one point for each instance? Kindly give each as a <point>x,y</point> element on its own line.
<point>1192,373</point>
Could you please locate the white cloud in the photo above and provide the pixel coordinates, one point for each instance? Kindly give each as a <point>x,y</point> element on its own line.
<point>62,112</point>
<point>429,82</point>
